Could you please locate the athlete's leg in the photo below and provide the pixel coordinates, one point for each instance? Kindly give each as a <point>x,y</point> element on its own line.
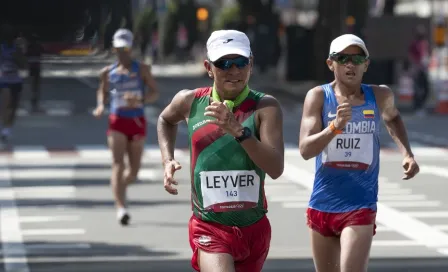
<point>355,248</point>
<point>324,241</point>
<point>35,88</point>
<point>326,252</point>
<point>118,145</point>
<point>135,152</point>
<point>15,91</point>
<point>215,262</point>
<point>4,100</point>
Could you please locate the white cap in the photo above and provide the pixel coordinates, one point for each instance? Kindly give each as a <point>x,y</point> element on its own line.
<point>123,38</point>
<point>227,42</point>
<point>340,43</point>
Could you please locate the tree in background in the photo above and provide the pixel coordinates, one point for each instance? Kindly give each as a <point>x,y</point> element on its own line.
<point>144,25</point>
<point>332,23</point>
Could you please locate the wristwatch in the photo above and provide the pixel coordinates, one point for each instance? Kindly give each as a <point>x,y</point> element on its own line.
<point>247,133</point>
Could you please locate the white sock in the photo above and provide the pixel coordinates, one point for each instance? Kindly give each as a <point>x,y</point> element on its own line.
<point>121,212</point>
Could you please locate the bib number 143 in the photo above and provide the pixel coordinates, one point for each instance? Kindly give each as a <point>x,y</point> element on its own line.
<point>231,193</point>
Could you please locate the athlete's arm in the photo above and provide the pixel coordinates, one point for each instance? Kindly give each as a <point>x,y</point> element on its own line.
<point>313,138</point>
<point>177,111</point>
<point>103,87</point>
<point>392,118</point>
<point>268,152</point>
<point>153,93</point>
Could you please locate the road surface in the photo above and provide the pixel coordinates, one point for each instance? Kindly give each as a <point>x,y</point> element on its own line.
<point>56,205</point>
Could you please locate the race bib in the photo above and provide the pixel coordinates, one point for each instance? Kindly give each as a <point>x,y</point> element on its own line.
<point>353,151</point>
<point>224,191</point>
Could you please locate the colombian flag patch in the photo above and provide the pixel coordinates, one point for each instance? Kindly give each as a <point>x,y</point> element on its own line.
<point>368,113</point>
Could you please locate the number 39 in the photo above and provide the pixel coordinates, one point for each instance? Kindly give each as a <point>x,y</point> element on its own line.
<point>348,154</point>
<point>232,193</point>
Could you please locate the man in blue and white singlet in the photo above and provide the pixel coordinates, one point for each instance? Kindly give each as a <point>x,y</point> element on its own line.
<point>125,82</point>
<point>340,127</point>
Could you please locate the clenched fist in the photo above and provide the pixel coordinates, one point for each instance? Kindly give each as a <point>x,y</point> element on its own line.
<point>343,115</point>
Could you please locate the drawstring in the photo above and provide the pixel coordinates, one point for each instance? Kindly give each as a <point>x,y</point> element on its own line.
<point>238,232</point>
<point>137,121</point>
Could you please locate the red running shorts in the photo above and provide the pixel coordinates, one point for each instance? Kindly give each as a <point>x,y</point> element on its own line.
<point>133,128</point>
<point>249,246</point>
<point>332,224</point>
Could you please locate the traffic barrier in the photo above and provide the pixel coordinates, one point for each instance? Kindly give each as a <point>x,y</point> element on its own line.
<point>405,89</point>
<point>442,103</point>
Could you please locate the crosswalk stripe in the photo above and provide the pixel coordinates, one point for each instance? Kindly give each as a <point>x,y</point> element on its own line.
<point>45,219</point>
<point>52,232</point>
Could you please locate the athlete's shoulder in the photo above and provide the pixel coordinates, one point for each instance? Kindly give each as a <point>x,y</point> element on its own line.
<point>185,95</point>
<point>202,91</point>
<point>381,92</point>
<point>315,94</point>
<point>183,100</point>
<point>105,70</point>
<point>268,100</point>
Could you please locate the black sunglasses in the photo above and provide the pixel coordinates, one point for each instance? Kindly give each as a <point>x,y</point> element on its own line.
<point>225,64</point>
<point>356,59</point>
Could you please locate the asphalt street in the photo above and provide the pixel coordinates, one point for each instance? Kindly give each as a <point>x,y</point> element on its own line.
<point>57,208</point>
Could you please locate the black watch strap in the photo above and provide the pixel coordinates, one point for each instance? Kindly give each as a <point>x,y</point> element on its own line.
<point>247,133</point>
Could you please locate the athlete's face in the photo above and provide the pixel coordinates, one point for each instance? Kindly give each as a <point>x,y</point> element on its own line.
<point>349,65</point>
<point>123,53</point>
<point>231,74</point>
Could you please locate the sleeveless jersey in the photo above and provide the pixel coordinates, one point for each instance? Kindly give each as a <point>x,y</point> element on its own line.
<point>347,170</point>
<point>227,186</point>
<point>121,83</point>
<point>9,70</point>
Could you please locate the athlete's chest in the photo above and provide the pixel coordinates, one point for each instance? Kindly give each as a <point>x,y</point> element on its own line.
<point>124,81</point>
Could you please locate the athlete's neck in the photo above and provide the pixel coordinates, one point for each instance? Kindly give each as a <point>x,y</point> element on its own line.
<point>346,91</point>
<point>232,102</point>
<point>126,63</point>
<point>228,95</point>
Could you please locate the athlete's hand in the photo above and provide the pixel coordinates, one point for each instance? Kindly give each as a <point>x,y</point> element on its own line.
<point>343,115</point>
<point>98,111</point>
<point>151,96</point>
<point>411,168</point>
<point>223,118</point>
<point>170,167</point>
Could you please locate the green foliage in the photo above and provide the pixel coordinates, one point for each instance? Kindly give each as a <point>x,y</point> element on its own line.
<point>228,15</point>
<point>145,20</point>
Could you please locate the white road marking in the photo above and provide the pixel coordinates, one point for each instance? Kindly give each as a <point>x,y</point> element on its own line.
<point>434,170</point>
<point>411,204</point>
<point>14,253</point>
<point>429,214</point>
<point>391,218</point>
<point>52,232</point>
<point>42,219</point>
<point>394,243</point>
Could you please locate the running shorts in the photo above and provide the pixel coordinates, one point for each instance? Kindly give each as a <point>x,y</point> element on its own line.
<point>133,128</point>
<point>249,246</point>
<point>332,224</point>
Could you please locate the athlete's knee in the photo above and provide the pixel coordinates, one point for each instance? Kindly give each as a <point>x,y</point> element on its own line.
<point>355,247</point>
<point>118,165</point>
<point>215,262</point>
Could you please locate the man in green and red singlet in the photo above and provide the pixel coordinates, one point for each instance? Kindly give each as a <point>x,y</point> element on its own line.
<point>236,138</point>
